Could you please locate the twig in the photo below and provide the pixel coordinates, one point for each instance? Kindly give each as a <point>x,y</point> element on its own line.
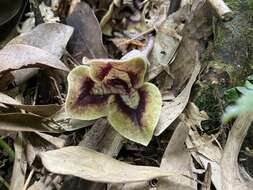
<point>149,45</point>
<point>7,149</point>
<point>223,11</point>
<point>139,35</point>
<point>37,14</point>
<point>57,90</point>
<point>73,5</point>
<point>28,179</point>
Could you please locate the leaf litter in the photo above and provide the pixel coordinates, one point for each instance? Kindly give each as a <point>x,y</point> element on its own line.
<point>48,140</point>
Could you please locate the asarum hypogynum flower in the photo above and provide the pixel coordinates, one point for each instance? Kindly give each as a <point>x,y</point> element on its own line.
<point>116,89</point>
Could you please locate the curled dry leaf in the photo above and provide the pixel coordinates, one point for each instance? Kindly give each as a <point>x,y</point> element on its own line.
<point>18,56</point>
<point>116,89</point>
<point>87,37</point>
<point>51,37</point>
<point>91,165</point>
<point>54,42</point>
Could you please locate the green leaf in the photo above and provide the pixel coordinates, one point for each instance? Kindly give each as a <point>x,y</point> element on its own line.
<point>243,104</point>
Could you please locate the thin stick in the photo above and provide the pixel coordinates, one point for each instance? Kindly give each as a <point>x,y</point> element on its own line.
<point>139,35</point>
<point>28,179</point>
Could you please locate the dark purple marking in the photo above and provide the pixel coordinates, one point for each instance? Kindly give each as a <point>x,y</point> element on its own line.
<point>118,83</point>
<point>104,71</point>
<point>85,97</point>
<point>134,114</point>
<point>133,78</point>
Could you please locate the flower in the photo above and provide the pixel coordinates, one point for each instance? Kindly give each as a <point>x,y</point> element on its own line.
<point>116,89</point>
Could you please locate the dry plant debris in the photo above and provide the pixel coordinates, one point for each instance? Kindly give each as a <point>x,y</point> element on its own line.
<point>85,84</point>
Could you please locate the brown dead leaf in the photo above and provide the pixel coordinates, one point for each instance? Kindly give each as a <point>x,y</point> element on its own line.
<point>18,56</point>
<point>91,165</point>
<point>87,38</point>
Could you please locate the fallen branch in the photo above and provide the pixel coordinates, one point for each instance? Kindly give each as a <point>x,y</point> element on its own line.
<point>223,11</point>
<point>231,177</point>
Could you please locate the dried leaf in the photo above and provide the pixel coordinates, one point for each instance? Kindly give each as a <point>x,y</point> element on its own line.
<point>42,110</point>
<point>87,38</point>
<point>26,122</point>
<point>177,158</point>
<point>88,164</point>
<point>58,142</point>
<point>18,56</point>
<point>171,110</point>
<point>51,37</point>
<point>20,164</point>
<point>203,150</point>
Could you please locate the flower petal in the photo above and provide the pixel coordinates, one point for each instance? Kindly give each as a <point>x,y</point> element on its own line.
<point>85,99</point>
<point>136,124</point>
<point>134,66</point>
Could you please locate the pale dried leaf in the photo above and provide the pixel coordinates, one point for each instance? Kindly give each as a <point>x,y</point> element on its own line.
<point>40,185</point>
<point>42,110</point>
<point>58,142</point>
<point>8,100</point>
<point>26,122</point>
<point>18,56</point>
<point>51,37</point>
<point>171,110</point>
<point>177,158</point>
<point>91,165</point>
<point>131,186</point>
<point>20,165</point>
<point>203,150</point>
